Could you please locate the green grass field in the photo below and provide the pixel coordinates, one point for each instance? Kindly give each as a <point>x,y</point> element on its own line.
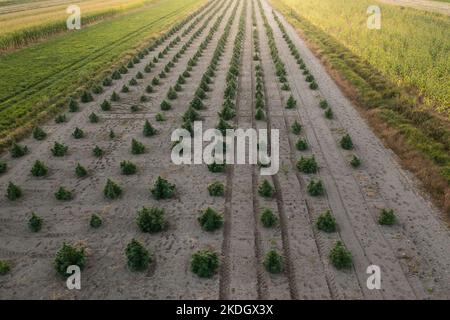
<point>37,79</point>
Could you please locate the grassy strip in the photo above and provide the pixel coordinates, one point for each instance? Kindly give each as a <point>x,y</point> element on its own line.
<point>393,112</point>
<point>38,80</point>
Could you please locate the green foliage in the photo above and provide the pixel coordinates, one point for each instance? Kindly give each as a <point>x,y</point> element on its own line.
<point>307,165</point>
<point>115,96</point>
<point>95,221</point>
<point>3,167</point>
<point>97,89</point>
<point>197,103</point>
<point>35,223</point>
<point>210,220</point>
<point>326,222</point>
<point>222,126</point>
<point>340,257</point>
<point>172,94</point>
<point>162,189</point>
<point>165,105</point>
<point>313,85</point>
<point>13,192</point>
<point>78,133</point>
<point>273,262</point>
<point>355,162</point>
<point>160,117</point>
<point>259,115</point>
<point>137,147</point>
<point>151,220</point>
<point>216,167</point>
<point>329,114</point>
<point>86,96</point>
<point>69,256</point>
<point>4,267</point>
<point>268,219</point>
<point>59,149</point>
<point>63,194</point>
<point>39,134</point>
<point>204,263</point>
<point>80,171</point>
<point>155,81</point>
<point>18,151</point>
<point>60,118</point>
<point>97,152</point>
<point>112,135</point>
<point>296,127</point>
<point>265,189</point>
<point>93,118</point>
<point>216,189</point>
<point>112,190</point>
<point>138,258</point>
<point>128,167</point>
<point>148,129</point>
<point>346,142</point>
<point>73,105</point>
<point>291,103</point>
<point>301,145</point>
<point>149,89</point>
<point>39,169</point>
<point>387,217</point>
<point>323,104</point>
<point>124,89</point>
<point>134,108</point>
<point>105,106</point>
<point>315,188</point>
<point>133,82</point>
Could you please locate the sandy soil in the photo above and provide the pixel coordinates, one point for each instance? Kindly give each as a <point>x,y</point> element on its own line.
<point>414,255</point>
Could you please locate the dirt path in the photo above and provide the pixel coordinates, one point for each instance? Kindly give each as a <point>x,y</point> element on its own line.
<point>432,6</point>
<point>414,255</point>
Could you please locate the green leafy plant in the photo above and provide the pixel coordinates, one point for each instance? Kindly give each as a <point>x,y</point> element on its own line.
<point>80,171</point>
<point>18,151</point>
<point>355,162</point>
<point>216,167</point>
<point>78,133</point>
<point>148,129</point>
<point>69,256</point>
<point>151,220</point>
<point>340,257</point>
<point>172,94</point>
<point>296,127</point>
<point>291,103</point>
<point>134,108</point>
<point>138,258</point>
<point>60,118</point>
<point>95,221</point>
<point>59,149</point>
<point>124,89</point>
<point>165,105</point>
<point>268,219</point>
<point>112,135</point>
<point>63,194</point>
<point>3,167</point>
<point>273,262</point>
<point>326,222</point>
<point>329,113</point>
<point>112,190</point>
<point>133,82</point>
<point>346,142</point>
<point>301,145</point>
<point>313,85</point>
<point>387,217</point>
<point>315,188</point>
<point>216,189</point>
<point>97,89</point>
<point>73,105</point>
<point>204,263</point>
<point>13,192</point>
<point>93,118</point>
<point>115,96</point>
<point>39,169</point>
<point>4,267</point>
<point>39,134</point>
<point>105,106</point>
<point>149,89</point>
<point>160,117</point>
<point>35,223</point>
<point>307,165</point>
<point>259,115</point>
<point>128,168</point>
<point>323,104</point>
<point>137,147</point>
<point>210,220</point>
<point>86,96</point>
<point>162,189</point>
<point>98,152</point>
<point>265,189</point>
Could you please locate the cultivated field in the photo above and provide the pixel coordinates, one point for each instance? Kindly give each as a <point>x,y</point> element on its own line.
<point>233,63</point>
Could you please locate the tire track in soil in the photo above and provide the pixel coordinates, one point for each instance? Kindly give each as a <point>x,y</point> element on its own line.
<point>224,280</point>
<point>396,283</point>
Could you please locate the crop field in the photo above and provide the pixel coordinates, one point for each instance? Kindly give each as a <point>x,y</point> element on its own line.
<point>88,177</point>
